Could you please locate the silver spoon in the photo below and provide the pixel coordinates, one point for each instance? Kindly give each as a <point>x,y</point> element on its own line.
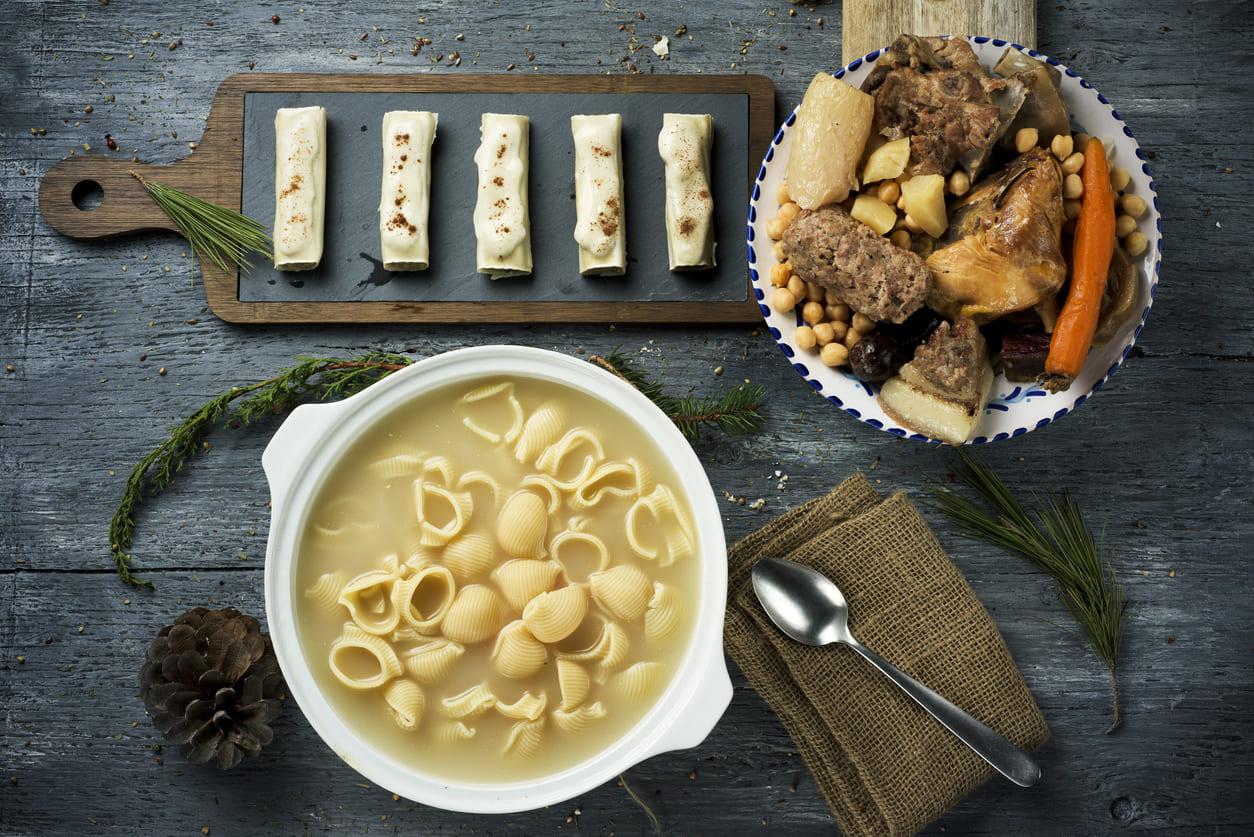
<point>807,606</point>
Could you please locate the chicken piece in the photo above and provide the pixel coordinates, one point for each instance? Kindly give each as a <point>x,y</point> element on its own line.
<point>1002,252</point>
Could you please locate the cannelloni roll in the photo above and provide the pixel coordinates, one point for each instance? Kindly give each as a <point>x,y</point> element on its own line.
<point>599,208</point>
<point>300,176</point>
<point>404,206</point>
<point>684,144</point>
<point>502,226</point>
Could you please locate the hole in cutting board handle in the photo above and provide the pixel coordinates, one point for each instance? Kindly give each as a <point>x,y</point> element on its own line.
<point>87,195</point>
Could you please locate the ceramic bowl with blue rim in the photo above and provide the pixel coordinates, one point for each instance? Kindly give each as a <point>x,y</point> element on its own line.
<point>1013,408</point>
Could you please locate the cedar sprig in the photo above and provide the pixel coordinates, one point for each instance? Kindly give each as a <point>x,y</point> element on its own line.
<point>220,235</point>
<point>1054,538</point>
<point>311,379</point>
<point>735,412</point>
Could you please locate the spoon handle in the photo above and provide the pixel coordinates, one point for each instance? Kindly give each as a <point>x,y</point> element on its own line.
<point>1012,762</point>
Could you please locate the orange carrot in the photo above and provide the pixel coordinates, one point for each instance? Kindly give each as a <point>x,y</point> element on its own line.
<point>1090,262</point>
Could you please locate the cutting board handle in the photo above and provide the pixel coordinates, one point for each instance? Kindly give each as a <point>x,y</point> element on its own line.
<point>93,197</point>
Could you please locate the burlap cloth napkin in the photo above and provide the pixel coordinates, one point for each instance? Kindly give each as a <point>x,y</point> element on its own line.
<point>885,766</point>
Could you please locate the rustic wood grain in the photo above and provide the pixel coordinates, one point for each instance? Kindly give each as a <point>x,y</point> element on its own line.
<point>867,25</point>
<point>1160,457</point>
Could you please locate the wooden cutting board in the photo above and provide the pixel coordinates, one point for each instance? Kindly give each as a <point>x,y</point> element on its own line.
<point>215,171</point>
<point>867,25</point>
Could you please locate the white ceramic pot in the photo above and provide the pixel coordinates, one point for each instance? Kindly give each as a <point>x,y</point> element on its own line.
<point>305,450</point>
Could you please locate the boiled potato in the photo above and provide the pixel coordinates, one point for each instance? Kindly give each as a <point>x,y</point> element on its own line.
<point>887,162</point>
<point>827,141</point>
<point>873,212</point>
<point>923,198</point>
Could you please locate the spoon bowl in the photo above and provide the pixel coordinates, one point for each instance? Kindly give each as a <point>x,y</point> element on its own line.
<point>808,607</point>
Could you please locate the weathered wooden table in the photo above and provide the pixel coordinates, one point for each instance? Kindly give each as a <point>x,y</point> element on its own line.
<point>107,344</point>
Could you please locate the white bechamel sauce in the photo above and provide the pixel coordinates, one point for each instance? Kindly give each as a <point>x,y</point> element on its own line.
<point>300,174</point>
<point>684,144</point>
<point>502,228</point>
<point>599,209</point>
<point>405,202</point>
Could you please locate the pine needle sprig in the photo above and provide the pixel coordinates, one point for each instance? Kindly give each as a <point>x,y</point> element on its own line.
<point>215,233</point>
<point>311,379</point>
<point>736,412</point>
<point>1054,538</point>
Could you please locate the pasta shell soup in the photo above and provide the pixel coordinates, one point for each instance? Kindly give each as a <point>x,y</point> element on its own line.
<point>499,579</point>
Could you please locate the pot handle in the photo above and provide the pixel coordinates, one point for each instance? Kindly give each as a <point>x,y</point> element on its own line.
<point>291,443</point>
<point>706,707</point>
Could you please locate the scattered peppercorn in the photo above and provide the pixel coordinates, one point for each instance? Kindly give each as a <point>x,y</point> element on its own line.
<point>109,141</point>
<point>274,18</point>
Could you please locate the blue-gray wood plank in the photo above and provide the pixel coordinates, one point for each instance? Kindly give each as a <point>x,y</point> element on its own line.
<point>1161,457</point>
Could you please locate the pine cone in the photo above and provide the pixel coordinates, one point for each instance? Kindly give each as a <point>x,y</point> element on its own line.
<point>212,685</point>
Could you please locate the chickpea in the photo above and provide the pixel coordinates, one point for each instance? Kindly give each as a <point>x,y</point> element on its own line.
<point>1135,244</point>
<point>1062,146</point>
<point>778,251</point>
<point>839,311</point>
<point>804,337</point>
<point>781,193</point>
<point>834,354</point>
<point>900,238</point>
<point>1026,139</point>
<point>1119,179</point>
<point>1072,187</point>
<point>839,329</point>
<point>852,336</point>
<point>812,312</point>
<point>1073,163</point>
<point>829,297</point>
<point>783,300</point>
<point>788,212</point>
<point>814,292</point>
<point>797,287</point>
<point>912,225</point>
<point>862,323</point>
<point>823,333</point>
<point>1124,224</point>
<point>1071,209</point>
<point>888,191</point>
<point>775,228</point>
<point>1134,205</point>
<point>780,274</point>
<point>960,182</point>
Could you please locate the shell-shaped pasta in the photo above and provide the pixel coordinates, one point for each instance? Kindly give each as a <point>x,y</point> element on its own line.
<point>441,513</point>
<point>609,651</point>
<point>579,718</point>
<point>368,598</point>
<point>517,653</point>
<point>609,479</point>
<point>439,470</point>
<point>362,660</point>
<point>623,590</point>
<point>544,484</point>
<point>639,679</point>
<point>554,615</point>
<point>664,613</point>
<point>580,554</point>
<point>476,614</point>
<point>431,661</point>
<point>522,579</point>
<point>469,704</point>
<point>522,524</point>
<point>574,682</point>
<point>345,517</point>
<point>392,564</point>
<point>529,707</point>
<point>396,466</point>
<point>525,738</point>
<point>561,460</point>
<point>470,556</point>
<point>407,702</point>
<point>326,590</point>
<point>454,733</point>
<point>419,558</point>
<point>424,598</point>
<point>659,512</point>
<point>486,492</point>
<point>486,403</point>
<point>542,428</point>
